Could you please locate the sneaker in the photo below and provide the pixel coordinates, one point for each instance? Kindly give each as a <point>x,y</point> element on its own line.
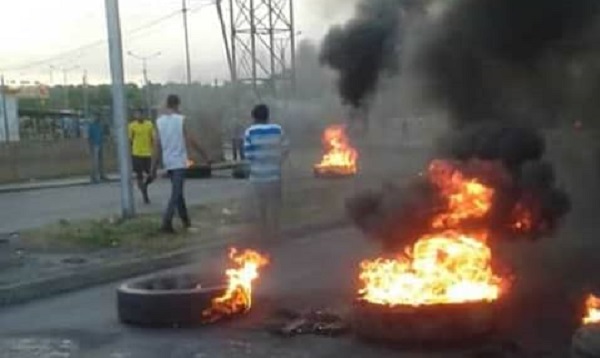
<point>192,230</point>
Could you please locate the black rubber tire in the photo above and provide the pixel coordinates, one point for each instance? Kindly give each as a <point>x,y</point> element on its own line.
<point>199,172</point>
<point>139,304</point>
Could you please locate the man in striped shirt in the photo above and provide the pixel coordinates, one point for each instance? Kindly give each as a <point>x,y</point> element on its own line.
<point>266,148</point>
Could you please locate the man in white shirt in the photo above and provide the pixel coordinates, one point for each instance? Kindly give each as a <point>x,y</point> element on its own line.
<point>171,145</point>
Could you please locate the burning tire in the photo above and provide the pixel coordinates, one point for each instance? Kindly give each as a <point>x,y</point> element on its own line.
<point>434,324</point>
<point>165,301</point>
<point>332,174</point>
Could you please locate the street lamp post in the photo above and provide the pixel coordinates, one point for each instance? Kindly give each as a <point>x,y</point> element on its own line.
<point>145,60</point>
<point>119,105</point>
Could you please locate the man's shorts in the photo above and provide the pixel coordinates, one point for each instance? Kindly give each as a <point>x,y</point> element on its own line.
<point>142,165</point>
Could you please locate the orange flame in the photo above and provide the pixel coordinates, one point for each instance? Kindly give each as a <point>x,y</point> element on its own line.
<point>467,198</point>
<point>593,310</point>
<point>449,265</point>
<point>522,219</point>
<point>340,157</point>
<point>238,297</point>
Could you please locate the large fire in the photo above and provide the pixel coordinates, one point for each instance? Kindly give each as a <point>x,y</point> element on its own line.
<point>340,158</point>
<point>452,263</point>
<point>238,297</point>
<point>592,310</point>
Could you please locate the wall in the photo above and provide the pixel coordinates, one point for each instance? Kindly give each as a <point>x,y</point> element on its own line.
<point>27,161</point>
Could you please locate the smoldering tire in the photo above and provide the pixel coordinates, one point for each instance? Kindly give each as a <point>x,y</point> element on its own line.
<point>166,301</point>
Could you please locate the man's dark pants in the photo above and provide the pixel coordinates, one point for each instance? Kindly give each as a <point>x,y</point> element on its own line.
<point>238,149</point>
<point>177,201</point>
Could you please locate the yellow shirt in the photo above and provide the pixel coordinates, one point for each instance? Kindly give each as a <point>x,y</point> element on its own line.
<point>141,135</point>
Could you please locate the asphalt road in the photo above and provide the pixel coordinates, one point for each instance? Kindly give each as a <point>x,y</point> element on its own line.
<point>313,272</point>
<point>32,209</point>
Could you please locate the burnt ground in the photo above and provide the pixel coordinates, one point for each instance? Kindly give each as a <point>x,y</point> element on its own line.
<point>317,272</point>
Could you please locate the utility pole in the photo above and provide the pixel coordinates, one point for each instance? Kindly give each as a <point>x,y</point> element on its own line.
<point>66,84</point>
<point>119,105</point>
<point>52,68</point>
<point>4,111</point>
<point>86,96</point>
<point>144,60</point>
<point>187,42</point>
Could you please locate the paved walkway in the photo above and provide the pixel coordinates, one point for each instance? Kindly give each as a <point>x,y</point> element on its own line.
<point>72,181</point>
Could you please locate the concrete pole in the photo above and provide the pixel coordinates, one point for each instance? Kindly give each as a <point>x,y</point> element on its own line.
<point>86,96</point>
<point>147,88</point>
<point>5,112</point>
<point>119,106</point>
<point>187,43</point>
<point>66,89</point>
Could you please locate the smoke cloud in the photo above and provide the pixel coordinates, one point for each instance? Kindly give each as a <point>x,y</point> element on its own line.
<point>511,61</point>
<point>365,48</point>
<point>500,69</point>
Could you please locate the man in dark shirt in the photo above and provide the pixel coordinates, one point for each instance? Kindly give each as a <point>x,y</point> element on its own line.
<point>96,142</point>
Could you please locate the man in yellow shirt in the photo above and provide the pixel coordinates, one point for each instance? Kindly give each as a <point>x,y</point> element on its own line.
<point>141,136</point>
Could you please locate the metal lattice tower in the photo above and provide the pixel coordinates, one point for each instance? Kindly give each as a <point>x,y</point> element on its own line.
<point>263,43</point>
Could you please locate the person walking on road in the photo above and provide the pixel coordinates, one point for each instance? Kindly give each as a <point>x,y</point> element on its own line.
<point>172,140</point>
<point>96,143</point>
<point>266,148</point>
<point>141,137</point>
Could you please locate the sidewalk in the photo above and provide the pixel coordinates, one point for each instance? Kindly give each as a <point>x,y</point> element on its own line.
<point>50,184</point>
<point>35,274</point>
<point>75,181</point>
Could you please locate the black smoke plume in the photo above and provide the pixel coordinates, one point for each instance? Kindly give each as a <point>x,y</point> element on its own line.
<point>501,68</point>
<point>365,48</point>
<point>512,61</point>
<point>527,202</point>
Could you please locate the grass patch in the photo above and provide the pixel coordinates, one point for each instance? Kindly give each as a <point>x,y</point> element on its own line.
<point>142,233</point>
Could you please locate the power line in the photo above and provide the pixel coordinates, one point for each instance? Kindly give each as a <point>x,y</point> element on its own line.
<point>98,43</point>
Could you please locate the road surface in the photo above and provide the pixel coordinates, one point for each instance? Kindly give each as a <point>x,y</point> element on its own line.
<point>32,209</point>
<point>313,272</point>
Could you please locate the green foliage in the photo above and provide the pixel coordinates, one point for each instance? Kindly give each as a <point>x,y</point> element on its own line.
<point>104,233</point>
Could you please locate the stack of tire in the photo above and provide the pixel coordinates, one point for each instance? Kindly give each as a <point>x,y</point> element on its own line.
<point>241,171</point>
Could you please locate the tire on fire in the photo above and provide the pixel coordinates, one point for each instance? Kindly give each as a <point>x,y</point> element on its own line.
<point>165,301</point>
<point>435,324</point>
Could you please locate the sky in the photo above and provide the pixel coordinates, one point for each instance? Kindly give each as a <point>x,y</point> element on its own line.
<point>42,40</point>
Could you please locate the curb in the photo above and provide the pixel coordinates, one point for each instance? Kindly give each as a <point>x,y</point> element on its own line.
<point>35,187</point>
<point>42,185</point>
<point>103,274</point>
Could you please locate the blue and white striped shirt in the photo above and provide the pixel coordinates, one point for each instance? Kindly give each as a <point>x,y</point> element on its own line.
<point>265,147</point>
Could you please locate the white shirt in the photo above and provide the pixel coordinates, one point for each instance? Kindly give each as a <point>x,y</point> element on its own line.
<point>172,140</point>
